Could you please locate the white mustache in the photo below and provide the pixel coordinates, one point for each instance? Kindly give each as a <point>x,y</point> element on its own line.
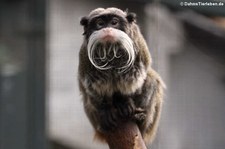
<point>124,42</point>
<point>102,54</point>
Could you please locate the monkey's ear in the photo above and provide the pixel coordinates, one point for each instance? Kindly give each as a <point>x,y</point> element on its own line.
<point>131,17</point>
<point>84,22</point>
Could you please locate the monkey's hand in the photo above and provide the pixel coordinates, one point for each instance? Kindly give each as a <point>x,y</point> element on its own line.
<point>127,110</point>
<point>122,109</point>
<point>139,115</point>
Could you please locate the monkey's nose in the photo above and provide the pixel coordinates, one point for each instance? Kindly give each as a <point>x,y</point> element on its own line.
<point>108,30</point>
<point>108,34</point>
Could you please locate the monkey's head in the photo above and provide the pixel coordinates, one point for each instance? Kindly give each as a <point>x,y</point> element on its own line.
<point>108,42</point>
<point>110,38</point>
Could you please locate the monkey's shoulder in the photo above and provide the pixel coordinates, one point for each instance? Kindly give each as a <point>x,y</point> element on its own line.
<point>154,77</point>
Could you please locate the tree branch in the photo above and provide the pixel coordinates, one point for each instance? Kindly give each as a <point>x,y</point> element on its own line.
<point>126,136</point>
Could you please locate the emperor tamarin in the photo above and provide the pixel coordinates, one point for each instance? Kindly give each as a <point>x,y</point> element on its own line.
<point>116,79</point>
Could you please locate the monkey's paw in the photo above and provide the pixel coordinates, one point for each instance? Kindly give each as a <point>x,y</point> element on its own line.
<point>139,115</point>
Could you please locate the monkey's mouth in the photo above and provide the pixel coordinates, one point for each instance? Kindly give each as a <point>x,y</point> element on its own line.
<point>106,54</point>
<point>108,38</point>
<point>110,55</point>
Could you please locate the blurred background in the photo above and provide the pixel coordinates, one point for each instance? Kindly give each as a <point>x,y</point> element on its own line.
<point>40,104</point>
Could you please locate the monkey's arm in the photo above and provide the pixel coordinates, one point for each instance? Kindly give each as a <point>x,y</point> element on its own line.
<point>154,106</point>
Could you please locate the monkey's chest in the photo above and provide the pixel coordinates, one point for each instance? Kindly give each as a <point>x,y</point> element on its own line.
<point>126,84</point>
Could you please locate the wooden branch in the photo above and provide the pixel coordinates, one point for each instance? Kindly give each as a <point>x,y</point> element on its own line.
<point>126,136</point>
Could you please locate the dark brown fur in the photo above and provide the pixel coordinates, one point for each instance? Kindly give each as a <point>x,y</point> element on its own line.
<point>110,97</point>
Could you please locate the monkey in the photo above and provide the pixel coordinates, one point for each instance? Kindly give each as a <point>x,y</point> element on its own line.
<point>116,80</point>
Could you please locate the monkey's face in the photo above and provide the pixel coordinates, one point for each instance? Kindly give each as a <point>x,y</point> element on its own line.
<point>108,44</point>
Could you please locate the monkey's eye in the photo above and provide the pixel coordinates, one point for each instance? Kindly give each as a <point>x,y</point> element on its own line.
<point>100,23</point>
<point>115,22</point>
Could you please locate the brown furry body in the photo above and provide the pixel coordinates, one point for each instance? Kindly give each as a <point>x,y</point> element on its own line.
<point>110,96</point>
